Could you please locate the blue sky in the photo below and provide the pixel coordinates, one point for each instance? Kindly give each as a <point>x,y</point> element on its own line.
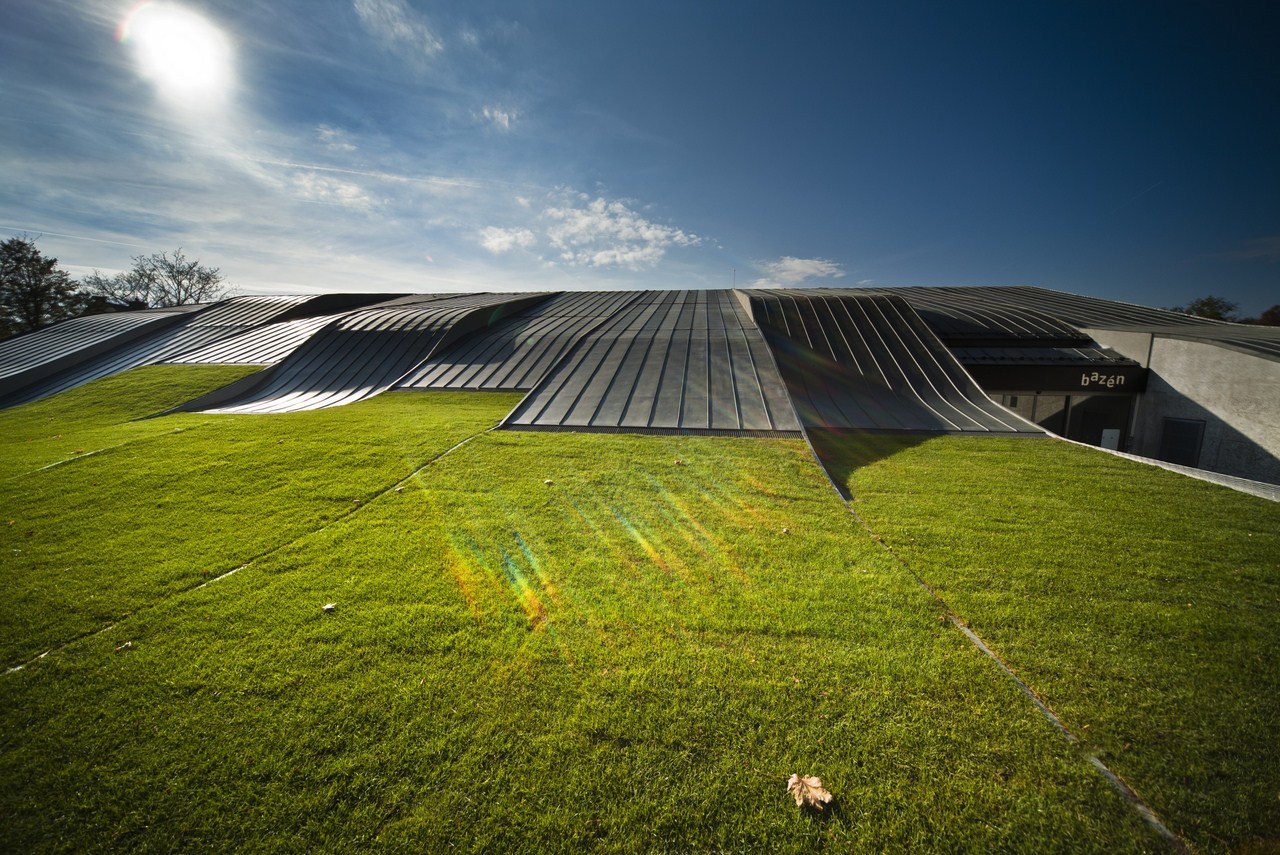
<point>1125,150</point>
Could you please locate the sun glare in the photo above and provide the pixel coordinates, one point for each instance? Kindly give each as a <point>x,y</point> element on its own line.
<point>180,51</point>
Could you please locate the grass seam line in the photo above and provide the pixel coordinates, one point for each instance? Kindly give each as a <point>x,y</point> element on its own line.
<point>1122,788</point>
<point>77,457</point>
<point>1126,792</point>
<point>59,648</point>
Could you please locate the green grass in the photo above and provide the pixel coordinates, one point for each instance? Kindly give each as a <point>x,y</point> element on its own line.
<point>1143,606</point>
<point>170,503</point>
<point>102,415</point>
<point>634,657</point>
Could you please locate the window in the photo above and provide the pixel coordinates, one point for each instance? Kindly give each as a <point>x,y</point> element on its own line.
<point>1180,441</point>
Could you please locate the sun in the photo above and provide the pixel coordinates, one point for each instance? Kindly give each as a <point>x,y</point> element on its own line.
<point>180,51</point>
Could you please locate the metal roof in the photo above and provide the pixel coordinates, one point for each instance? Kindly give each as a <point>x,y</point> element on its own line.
<point>667,361</point>
<point>732,361</point>
<point>265,345</point>
<point>194,328</point>
<point>991,313</point>
<point>362,353</point>
<point>518,354</point>
<point>80,335</point>
<point>870,362</point>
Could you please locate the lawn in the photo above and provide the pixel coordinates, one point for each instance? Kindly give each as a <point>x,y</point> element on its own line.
<point>1141,605</point>
<point>633,657</point>
<point>112,512</point>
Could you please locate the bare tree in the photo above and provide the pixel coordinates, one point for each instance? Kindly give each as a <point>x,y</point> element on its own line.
<point>162,279</point>
<point>110,291</point>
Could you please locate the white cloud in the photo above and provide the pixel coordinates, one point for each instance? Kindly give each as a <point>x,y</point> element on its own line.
<point>792,272</point>
<point>399,27</point>
<point>601,233</point>
<point>498,240</point>
<point>499,118</point>
<point>334,139</point>
<point>327,190</point>
<point>576,230</point>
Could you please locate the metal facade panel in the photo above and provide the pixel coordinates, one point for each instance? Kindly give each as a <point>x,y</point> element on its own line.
<point>1024,312</point>
<point>517,354</point>
<point>361,353</point>
<point>666,361</point>
<point>264,345</point>
<point>192,328</point>
<point>24,352</point>
<point>870,362</point>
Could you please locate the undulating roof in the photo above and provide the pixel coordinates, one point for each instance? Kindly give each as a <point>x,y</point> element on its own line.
<point>517,354</point>
<point>677,360</point>
<point>362,353</point>
<point>870,362</point>
<point>26,358</point>
<point>989,313</point>
<point>667,360</point>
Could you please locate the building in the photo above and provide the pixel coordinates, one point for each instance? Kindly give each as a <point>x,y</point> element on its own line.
<point>1013,361</point>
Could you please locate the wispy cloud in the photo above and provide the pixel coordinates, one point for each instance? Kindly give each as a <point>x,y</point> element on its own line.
<point>602,233</point>
<point>500,118</point>
<point>498,240</point>
<point>399,27</point>
<point>792,272</point>
<point>573,229</point>
<point>1258,249</point>
<point>312,199</point>
<point>439,182</point>
<point>327,190</point>
<point>335,139</point>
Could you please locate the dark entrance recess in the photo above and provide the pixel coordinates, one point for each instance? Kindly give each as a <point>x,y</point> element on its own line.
<point>1101,420</point>
<point>1180,441</point>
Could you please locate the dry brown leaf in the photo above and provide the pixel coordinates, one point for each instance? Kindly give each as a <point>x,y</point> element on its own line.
<point>808,792</point>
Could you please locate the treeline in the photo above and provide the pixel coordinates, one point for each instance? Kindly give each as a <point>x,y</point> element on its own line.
<point>34,292</point>
<point>1222,309</point>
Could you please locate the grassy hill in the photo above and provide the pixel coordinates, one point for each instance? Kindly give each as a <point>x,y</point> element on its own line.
<point>634,656</point>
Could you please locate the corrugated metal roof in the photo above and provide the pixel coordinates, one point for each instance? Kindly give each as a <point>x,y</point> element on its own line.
<point>193,329</point>
<point>870,362</point>
<point>362,353</point>
<point>996,312</point>
<point>648,361</point>
<point>668,360</point>
<point>265,345</point>
<point>516,355</point>
<point>24,352</point>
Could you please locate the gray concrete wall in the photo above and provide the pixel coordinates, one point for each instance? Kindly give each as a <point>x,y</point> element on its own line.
<point>1236,395</point>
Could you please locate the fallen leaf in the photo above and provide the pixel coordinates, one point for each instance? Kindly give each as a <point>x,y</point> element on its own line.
<point>808,792</point>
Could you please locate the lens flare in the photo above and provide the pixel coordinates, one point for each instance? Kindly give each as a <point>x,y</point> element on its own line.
<point>180,51</point>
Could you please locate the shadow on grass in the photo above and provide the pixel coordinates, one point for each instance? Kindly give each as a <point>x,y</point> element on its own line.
<point>825,815</point>
<point>841,451</point>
